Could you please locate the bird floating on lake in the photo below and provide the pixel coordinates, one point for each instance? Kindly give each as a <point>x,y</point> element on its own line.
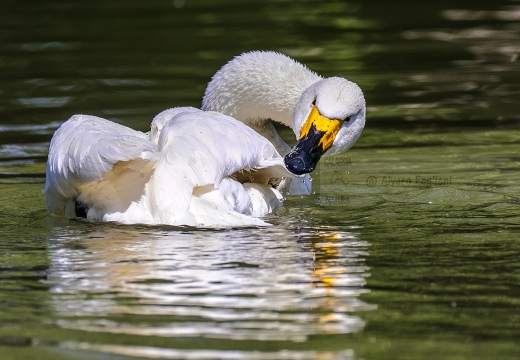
<point>222,166</point>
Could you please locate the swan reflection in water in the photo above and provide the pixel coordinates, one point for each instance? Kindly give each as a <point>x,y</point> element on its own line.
<point>245,284</point>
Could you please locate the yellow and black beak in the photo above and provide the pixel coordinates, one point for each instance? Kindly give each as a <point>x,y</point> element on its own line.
<point>316,136</point>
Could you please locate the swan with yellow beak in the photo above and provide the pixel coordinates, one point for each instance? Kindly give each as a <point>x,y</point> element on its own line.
<point>200,167</point>
<point>327,115</point>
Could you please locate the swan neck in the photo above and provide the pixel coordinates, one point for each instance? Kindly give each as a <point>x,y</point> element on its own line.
<point>257,86</point>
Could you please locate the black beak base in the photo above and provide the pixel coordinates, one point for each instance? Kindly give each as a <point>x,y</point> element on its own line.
<point>305,155</point>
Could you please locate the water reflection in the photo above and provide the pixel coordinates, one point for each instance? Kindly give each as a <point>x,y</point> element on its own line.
<point>245,284</point>
<point>162,353</point>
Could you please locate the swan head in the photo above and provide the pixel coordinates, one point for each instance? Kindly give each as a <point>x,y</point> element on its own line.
<point>328,119</point>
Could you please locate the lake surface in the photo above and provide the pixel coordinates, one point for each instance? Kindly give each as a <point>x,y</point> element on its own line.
<point>408,248</point>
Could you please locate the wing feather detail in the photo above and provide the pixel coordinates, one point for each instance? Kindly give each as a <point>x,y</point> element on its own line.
<point>200,148</point>
<point>82,150</point>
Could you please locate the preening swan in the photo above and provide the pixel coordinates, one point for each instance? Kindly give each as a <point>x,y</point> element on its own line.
<point>203,167</point>
<point>326,115</point>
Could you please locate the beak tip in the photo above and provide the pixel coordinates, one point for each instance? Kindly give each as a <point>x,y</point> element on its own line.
<point>298,166</point>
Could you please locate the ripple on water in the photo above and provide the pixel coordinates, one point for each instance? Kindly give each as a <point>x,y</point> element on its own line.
<point>250,284</point>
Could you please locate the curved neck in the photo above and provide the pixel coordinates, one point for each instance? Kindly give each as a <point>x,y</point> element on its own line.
<point>257,86</point>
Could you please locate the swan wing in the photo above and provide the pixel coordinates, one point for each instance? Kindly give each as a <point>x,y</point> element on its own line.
<point>200,148</point>
<point>82,150</point>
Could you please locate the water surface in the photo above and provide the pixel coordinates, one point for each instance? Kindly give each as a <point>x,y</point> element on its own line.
<point>406,250</point>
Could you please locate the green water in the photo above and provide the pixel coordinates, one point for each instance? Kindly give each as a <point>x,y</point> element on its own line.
<point>408,248</point>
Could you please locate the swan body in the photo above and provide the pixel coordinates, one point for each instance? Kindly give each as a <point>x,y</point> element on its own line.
<point>193,168</point>
<point>203,167</point>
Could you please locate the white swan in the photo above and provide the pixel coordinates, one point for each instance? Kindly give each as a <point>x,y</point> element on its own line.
<point>326,115</point>
<point>202,168</point>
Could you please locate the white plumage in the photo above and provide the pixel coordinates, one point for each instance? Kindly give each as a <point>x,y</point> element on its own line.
<point>184,172</point>
<point>196,167</point>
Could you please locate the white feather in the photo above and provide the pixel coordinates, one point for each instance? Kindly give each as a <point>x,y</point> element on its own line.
<point>84,149</point>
